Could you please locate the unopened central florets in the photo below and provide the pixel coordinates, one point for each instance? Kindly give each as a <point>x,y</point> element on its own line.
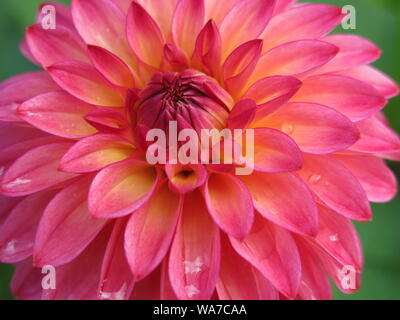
<point>190,98</point>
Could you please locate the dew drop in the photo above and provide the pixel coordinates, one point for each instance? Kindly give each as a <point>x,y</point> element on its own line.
<point>315,178</point>
<point>287,128</point>
<point>334,237</point>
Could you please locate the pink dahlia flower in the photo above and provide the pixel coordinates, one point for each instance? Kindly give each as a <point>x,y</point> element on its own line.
<point>78,193</point>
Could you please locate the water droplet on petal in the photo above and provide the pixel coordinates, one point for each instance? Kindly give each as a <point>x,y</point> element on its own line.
<point>287,128</point>
<point>334,237</point>
<point>315,178</point>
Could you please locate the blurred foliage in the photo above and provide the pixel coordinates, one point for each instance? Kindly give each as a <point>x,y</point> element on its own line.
<point>378,20</point>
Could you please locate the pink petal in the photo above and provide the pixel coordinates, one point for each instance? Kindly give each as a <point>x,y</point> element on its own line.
<point>294,58</point>
<point>376,137</point>
<point>195,252</point>
<point>106,120</point>
<point>116,280</point>
<point>230,204</point>
<point>96,152</point>
<point>149,288</point>
<point>353,51</point>
<point>245,21</point>
<point>36,170</point>
<point>187,22</point>
<point>24,49</point>
<point>242,114</point>
<point>355,99</point>
<point>185,178</point>
<point>272,250</point>
<point>121,188</point>
<point>285,200</point>
<point>271,93</point>
<point>339,238</point>
<point>163,17</point>
<point>11,153</point>
<point>315,128</point>
<point>102,23</point>
<point>150,230</point>
<point>274,151</point>
<point>207,52</point>
<point>63,18</point>
<point>112,67</point>
<point>144,36</point>
<point>7,204</point>
<point>217,10</point>
<point>17,235</point>
<point>51,46</point>
<point>380,81</point>
<point>283,5</point>
<point>176,57</point>
<point>26,281</point>
<point>378,181</point>
<point>336,270</point>
<point>58,113</point>
<point>167,292</point>
<point>315,284</point>
<point>309,21</point>
<point>336,186</point>
<point>86,83</point>
<point>234,269</point>
<point>66,227</point>
<point>15,134</point>
<point>79,279</point>
<point>240,65</point>
<point>20,88</point>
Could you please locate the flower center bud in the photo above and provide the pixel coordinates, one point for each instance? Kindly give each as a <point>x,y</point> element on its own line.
<point>192,99</point>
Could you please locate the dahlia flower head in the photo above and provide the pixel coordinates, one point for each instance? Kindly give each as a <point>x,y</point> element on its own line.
<point>78,194</point>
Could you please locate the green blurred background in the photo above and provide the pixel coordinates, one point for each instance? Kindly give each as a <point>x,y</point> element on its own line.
<point>378,20</point>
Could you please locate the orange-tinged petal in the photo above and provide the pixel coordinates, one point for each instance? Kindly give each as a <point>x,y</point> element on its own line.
<point>272,250</point>
<point>336,186</point>
<point>195,253</point>
<point>315,128</point>
<point>96,152</point>
<point>150,231</point>
<point>58,113</point>
<point>355,99</point>
<point>187,22</point>
<point>285,200</point>
<point>294,58</point>
<point>275,151</point>
<point>144,36</point>
<point>207,52</point>
<point>234,269</point>
<point>86,83</point>
<point>121,188</point>
<point>185,178</point>
<point>230,204</point>
<point>308,21</point>
<point>240,65</point>
<point>36,170</point>
<point>246,20</point>
<point>112,67</point>
<point>51,46</point>
<point>102,23</point>
<point>66,227</point>
<point>271,93</point>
